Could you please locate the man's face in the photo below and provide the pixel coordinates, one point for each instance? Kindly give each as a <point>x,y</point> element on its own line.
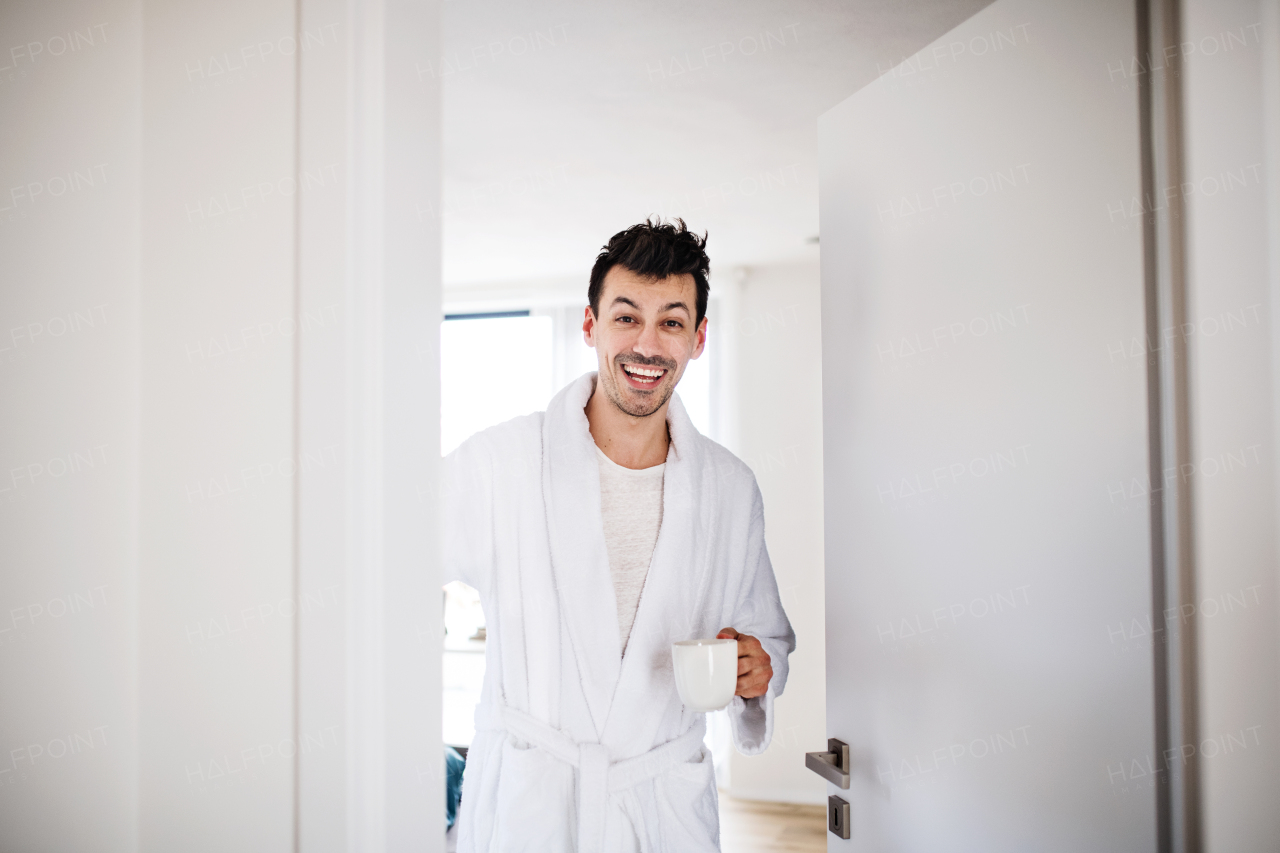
<point>644,337</point>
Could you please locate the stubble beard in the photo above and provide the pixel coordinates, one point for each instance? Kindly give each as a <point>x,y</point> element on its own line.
<point>645,406</point>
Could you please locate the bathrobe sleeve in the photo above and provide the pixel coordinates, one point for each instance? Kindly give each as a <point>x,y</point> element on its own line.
<point>759,613</point>
<point>467,516</point>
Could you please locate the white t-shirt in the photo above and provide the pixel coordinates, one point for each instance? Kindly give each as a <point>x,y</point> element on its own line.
<point>631,503</point>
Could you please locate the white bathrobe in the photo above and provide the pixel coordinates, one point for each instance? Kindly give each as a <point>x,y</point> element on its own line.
<point>578,748</point>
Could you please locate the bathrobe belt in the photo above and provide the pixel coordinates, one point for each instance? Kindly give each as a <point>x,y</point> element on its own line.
<point>598,777</point>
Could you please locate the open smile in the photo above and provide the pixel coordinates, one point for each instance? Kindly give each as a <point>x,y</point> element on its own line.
<point>643,378</point>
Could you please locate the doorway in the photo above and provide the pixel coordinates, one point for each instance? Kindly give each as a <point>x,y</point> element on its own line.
<point>565,123</point>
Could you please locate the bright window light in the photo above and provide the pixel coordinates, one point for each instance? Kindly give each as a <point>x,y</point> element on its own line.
<point>492,370</point>
<point>695,392</point>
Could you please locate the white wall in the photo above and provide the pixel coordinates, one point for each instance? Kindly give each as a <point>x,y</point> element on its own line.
<point>220,342</point>
<point>216,514</point>
<point>69,159</point>
<point>1233,233</point>
<point>774,340</point>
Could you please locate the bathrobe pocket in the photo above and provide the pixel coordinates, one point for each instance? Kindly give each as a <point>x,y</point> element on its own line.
<point>535,801</point>
<point>688,807</point>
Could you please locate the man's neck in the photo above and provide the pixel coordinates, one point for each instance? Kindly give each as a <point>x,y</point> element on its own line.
<point>631,442</point>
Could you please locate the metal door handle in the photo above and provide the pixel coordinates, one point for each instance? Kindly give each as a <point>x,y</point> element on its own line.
<point>832,765</point>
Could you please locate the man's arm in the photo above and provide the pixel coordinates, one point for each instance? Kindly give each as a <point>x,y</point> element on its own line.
<point>466,514</point>
<point>765,640</point>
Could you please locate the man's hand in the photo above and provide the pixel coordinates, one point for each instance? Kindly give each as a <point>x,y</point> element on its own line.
<point>754,670</point>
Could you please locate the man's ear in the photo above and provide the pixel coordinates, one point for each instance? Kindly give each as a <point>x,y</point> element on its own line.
<point>702,339</point>
<point>589,326</point>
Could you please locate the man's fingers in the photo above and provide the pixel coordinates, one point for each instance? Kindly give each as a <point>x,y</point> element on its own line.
<point>751,660</point>
<point>755,682</point>
<point>754,670</point>
<point>752,686</point>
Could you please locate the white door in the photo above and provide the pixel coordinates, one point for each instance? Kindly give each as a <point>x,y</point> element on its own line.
<point>987,555</point>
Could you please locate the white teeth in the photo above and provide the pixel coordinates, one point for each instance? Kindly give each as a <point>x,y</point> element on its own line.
<point>640,372</point>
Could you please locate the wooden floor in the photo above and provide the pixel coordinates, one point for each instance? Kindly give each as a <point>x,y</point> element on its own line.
<point>747,826</point>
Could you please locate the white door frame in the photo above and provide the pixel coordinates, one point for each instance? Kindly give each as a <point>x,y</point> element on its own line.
<point>370,386</point>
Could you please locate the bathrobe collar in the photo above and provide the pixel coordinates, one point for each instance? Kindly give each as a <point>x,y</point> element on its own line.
<point>580,564</point>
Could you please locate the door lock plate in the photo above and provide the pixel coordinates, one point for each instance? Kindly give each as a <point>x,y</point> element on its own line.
<point>838,817</point>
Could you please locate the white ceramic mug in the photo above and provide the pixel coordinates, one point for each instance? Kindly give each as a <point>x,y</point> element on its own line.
<point>706,672</point>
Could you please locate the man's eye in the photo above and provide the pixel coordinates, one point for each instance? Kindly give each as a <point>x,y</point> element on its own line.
<point>625,319</point>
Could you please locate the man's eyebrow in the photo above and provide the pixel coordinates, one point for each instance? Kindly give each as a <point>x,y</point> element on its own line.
<point>670,306</point>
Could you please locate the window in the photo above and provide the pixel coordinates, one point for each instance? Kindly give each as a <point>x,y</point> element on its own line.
<point>492,369</point>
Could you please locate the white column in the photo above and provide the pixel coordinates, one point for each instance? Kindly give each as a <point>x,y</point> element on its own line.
<point>1230,117</point>
<point>371,387</point>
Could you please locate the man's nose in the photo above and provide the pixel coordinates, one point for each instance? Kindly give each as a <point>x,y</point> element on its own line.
<point>648,343</point>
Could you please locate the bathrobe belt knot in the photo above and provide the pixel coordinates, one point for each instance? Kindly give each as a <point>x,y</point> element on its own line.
<point>598,777</point>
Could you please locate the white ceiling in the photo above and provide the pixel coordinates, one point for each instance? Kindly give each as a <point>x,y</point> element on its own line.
<point>565,122</point>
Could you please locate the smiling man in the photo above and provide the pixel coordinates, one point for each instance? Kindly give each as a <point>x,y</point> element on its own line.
<point>598,533</point>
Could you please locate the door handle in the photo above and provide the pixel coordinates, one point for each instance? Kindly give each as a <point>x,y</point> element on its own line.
<point>832,765</point>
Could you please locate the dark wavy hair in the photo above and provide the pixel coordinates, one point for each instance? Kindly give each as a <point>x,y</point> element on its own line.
<point>654,250</point>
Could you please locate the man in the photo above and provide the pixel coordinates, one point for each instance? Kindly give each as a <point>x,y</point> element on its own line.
<point>598,533</point>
